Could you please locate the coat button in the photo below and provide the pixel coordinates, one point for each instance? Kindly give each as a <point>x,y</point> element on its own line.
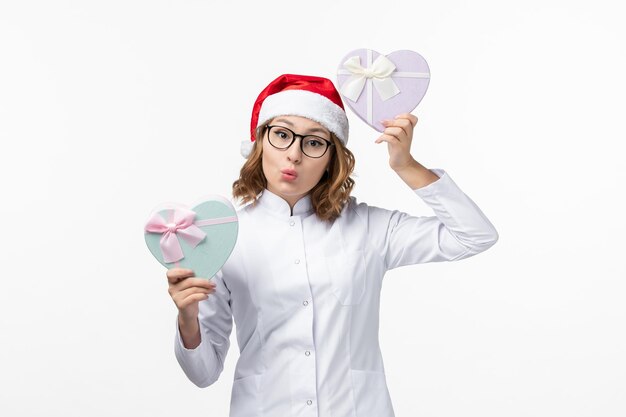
<point>309,402</point>
<point>307,353</point>
<point>305,303</point>
<point>297,261</point>
<point>291,223</point>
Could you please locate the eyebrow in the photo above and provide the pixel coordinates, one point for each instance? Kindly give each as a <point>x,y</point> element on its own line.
<point>313,130</point>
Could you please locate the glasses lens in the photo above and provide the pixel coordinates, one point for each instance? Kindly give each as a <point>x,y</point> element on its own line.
<point>314,146</point>
<point>280,137</point>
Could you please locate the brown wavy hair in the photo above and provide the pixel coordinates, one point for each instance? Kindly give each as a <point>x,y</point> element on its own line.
<point>328,196</point>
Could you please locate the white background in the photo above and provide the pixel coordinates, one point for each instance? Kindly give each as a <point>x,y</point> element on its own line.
<point>110,108</point>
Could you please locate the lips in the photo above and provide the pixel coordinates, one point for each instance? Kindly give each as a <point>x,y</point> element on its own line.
<point>289,172</point>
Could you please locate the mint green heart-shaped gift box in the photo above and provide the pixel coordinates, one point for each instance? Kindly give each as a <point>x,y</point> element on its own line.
<point>200,238</point>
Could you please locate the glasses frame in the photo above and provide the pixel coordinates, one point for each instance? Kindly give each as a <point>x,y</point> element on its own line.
<point>295,136</point>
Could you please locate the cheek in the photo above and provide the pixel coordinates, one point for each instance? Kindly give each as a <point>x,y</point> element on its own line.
<point>318,172</point>
<point>265,156</point>
<point>265,163</point>
<point>268,161</point>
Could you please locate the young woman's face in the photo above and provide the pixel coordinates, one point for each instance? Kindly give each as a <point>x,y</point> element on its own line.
<point>276,162</point>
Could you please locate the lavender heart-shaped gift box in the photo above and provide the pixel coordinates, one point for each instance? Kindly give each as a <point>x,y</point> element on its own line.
<point>378,87</point>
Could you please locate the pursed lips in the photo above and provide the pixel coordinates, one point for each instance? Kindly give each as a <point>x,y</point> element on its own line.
<point>290,172</point>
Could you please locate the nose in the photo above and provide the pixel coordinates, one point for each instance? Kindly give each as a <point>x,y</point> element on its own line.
<point>294,153</point>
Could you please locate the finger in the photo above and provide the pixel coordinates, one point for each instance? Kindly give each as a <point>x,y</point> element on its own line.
<point>411,117</point>
<point>184,299</point>
<point>181,295</point>
<point>175,275</point>
<point>193,282</point>
<point>387,138</point>
<point>187,285</point>
<point>194,298</point>
<point>396,131</point>
<point>404,124</point>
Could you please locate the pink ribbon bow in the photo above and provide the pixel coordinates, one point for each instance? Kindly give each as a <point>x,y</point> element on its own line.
<point>181,223</point>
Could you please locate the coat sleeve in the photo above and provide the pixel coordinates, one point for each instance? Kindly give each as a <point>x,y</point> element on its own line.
<point>204,364</point>
<point>458,230</point>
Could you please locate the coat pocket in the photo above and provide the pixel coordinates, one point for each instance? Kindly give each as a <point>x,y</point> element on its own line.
<point>347,274</point>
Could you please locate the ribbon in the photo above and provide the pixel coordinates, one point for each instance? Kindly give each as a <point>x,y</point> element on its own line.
<point>181,223</point>
<point>379,72</point>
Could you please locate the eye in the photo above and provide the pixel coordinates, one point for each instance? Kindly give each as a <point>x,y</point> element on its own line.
<point>282,134</point>
<point>314,143</point>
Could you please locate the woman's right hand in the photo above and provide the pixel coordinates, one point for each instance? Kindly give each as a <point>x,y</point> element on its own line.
<point>187,291</point>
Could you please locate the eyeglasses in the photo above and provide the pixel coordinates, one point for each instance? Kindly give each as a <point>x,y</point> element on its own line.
<point>312,146</point>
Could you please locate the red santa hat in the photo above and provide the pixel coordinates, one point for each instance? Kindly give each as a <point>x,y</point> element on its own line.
<point>315,98</point>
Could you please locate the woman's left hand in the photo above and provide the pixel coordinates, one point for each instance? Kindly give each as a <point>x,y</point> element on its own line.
<point>398,134</point>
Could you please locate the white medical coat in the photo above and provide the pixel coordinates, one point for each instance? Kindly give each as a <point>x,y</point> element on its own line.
<point>305,298</point>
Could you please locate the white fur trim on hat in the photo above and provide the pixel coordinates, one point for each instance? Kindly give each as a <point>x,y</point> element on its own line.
<point>246,148</point>
<point>306,104</point>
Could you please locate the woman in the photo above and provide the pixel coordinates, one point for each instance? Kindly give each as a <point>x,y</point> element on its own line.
<point>304,279</point>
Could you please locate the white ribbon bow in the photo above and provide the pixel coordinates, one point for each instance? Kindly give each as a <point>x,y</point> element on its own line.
<point>379,72</point>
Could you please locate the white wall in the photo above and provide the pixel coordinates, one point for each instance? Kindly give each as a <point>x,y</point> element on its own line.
<point>110,108</point>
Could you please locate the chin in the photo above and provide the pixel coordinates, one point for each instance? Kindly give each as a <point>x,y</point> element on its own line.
<point>288,188</point>
<point>291,189</point>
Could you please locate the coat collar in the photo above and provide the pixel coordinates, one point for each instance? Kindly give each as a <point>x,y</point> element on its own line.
<point>277,206</point>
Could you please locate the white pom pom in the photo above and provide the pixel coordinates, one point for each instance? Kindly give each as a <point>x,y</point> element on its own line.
<point>246,148</point>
